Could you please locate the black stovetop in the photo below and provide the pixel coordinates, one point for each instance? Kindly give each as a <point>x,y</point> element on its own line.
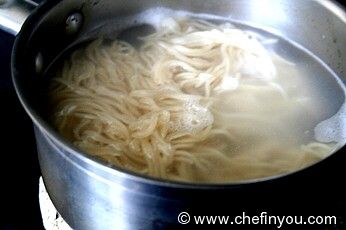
<point>19,169</point>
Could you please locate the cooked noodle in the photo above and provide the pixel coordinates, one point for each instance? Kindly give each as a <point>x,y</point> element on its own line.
<point>190,104</point>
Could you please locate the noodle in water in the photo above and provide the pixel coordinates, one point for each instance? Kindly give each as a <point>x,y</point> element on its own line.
<point>196,102</point>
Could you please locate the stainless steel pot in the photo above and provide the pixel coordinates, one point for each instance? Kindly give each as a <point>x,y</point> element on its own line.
<point>92,195</point>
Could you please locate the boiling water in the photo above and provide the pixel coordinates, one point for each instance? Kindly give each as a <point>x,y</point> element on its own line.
<point>317,114</point>
<point>309,75</point>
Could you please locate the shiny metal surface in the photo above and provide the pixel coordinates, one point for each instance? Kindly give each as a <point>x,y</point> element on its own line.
<point>91,195</point>
<point>13,13</point>
<point>73,23</point>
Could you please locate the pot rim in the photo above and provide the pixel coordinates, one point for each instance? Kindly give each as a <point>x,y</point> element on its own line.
<point>47,129</point>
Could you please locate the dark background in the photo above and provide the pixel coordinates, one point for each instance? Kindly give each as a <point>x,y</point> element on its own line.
<point>19,170</point>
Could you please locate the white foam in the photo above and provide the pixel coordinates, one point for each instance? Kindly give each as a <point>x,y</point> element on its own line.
<point>159,15</point>
<point>229,83</point>
<point>195,117</point>
<point>333,129</point>
<point>262,68</point>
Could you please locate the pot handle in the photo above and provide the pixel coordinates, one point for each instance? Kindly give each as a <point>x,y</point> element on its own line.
<point>13,13</point>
